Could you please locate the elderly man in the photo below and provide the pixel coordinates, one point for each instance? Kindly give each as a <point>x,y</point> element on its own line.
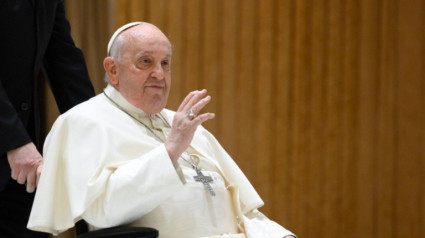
<point>122,158</point>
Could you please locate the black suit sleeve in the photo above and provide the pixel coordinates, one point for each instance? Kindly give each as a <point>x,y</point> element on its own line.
<point>65,66</point>
<point>12,132</point>
<point>16,84</point>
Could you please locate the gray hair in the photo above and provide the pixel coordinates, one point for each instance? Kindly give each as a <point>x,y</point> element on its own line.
<point>117,46</point>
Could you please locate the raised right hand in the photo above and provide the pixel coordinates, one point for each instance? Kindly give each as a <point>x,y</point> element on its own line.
<point>184,126</point>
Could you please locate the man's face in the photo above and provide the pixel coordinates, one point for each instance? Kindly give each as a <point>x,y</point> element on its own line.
<point>143,73</point>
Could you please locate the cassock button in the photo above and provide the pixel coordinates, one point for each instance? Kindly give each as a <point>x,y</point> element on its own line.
<point>24,106</point>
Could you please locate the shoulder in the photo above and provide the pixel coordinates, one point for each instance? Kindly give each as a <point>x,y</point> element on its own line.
<point>91,110</point>
<point>85,117</point>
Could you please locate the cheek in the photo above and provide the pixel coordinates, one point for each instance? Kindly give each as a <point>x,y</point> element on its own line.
<point>131,88</point>
<point>168,80</point>
<point>136,81</point>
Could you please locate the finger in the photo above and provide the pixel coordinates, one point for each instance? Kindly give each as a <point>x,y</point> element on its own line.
<point>30,188</point>
<point>39,169</point>
<point>31,178</point>
<point>194,111</point>
<point>201,104</point>
<point>22,177</point>
<point>14,174</point>
<point>191,114</point>
<point>197,96</point>
<point>203,118</point>
<point>186,100</point>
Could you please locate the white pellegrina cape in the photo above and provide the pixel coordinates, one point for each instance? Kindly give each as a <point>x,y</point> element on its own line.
<point>103,166</point>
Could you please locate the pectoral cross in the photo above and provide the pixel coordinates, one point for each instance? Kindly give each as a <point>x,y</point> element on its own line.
<point>205,180</point>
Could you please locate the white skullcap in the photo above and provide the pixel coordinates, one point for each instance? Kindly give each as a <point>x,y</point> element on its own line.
<point>117,32</point>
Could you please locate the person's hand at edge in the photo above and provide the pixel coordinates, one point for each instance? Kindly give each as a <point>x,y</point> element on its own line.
<point>25,164</point>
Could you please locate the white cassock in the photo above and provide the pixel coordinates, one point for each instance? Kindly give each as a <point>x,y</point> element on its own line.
<point>104,166</point>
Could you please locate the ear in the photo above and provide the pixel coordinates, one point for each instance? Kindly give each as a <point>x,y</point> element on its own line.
<point>110,67</point>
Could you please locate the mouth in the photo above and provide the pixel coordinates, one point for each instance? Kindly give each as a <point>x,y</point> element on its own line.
<point>154,86</point>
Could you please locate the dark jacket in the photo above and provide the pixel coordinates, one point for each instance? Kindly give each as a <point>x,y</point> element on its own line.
<point>35,37</point>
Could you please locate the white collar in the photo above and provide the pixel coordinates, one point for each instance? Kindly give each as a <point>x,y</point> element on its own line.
<point>117,97</point>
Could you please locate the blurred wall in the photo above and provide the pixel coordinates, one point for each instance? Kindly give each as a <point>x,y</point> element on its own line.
<point>321,103</point>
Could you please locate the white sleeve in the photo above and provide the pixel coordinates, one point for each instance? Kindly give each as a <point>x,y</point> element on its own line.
<point>107,178</point>
<point>132,189</point>
<point>258,225</point>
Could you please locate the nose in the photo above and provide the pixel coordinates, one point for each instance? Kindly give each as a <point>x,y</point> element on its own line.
<point>158,72</point>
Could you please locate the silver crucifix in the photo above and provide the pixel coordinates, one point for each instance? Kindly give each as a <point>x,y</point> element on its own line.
<point>205,180</point>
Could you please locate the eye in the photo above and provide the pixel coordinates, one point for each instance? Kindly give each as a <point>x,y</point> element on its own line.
<point>144,63</point>
<point>165,64</point>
